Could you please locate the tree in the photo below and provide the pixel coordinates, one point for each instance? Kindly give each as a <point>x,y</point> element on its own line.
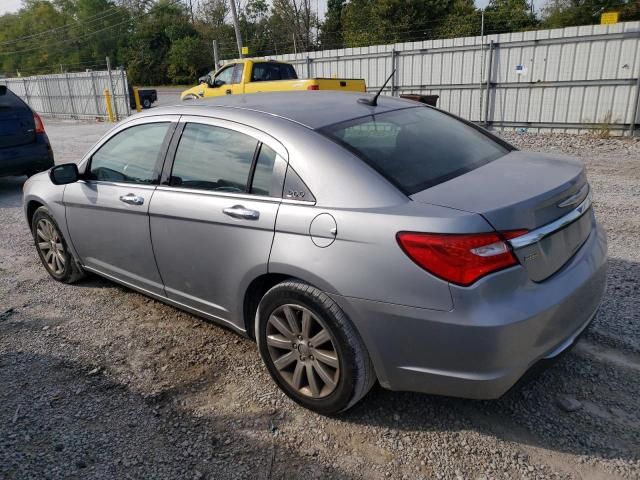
<point>463,20</point>
<point>186,60</point>
<point>565,13</point>
<point>293,23</point>
<point>331,29</point>
<point>509,16</point>
<point>367,22</point>
<point>147,55</point>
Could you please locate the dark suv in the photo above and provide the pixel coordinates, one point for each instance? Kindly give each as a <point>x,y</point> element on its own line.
<point>24,145</point>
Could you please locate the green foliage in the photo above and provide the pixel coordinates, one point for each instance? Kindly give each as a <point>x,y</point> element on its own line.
<point>331,29</point>
<point>187,59</point>
<point>509,16</point>
<point>70,23</point>
<point>566,13</point>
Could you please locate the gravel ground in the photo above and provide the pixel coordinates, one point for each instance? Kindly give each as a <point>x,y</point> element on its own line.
<point>97,381</point>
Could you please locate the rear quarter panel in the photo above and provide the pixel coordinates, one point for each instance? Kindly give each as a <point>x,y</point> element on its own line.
<point>365,260</point>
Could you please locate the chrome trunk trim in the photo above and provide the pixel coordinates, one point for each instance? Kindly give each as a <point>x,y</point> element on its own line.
<point>538,234</point>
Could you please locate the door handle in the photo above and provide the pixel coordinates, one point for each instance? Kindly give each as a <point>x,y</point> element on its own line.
<point>228,91</point>
<point>238,211</point>
<point>132,199</point>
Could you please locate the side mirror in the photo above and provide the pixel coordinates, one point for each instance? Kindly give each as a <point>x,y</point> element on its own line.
<point>3,90</point>
<point>204,79</point>
<point>64,174</point>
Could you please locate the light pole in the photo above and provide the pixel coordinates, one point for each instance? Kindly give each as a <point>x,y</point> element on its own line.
<point>236,27</point>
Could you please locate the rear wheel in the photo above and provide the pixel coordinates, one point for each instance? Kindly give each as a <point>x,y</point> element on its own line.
<point>146,103</point>
<point>52,248</point>
<point>311,349</point>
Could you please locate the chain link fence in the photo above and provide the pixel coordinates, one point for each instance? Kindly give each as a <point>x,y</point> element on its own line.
<point>77,95</point>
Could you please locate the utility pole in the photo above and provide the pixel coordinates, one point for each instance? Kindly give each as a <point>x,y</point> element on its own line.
<point>236,26</point>
<point>216,55</point>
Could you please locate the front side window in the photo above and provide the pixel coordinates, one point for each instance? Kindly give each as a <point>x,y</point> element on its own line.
<point>131,155</point>
<point>225,76</point>
<point>416,148</point>
<point>213,158</point>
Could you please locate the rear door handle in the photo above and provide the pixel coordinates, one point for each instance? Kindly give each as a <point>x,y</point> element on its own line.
<point>132,199</point>
<point>239,211</point>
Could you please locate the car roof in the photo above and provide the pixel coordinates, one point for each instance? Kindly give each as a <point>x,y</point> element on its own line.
<point>313,109</point>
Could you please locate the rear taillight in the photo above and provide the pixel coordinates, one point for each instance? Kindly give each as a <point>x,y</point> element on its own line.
<point>460,259</point>
<point>313,87</point>
<point>38,121</point>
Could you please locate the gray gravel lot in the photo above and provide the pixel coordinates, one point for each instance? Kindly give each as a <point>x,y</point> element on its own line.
<point>97,381</point>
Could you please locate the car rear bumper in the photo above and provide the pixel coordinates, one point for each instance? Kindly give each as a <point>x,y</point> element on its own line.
<point>499,328</point>
<point>27,159</point>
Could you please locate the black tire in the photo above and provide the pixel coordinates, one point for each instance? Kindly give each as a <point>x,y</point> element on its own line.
<point>146,103</point>
<point>356,373</point>
<point>70,271</point>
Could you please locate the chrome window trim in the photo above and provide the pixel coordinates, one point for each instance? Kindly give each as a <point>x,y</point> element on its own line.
<point>216,193</point>
<point>143,186</point>
<point>297,202</point>
<point>538,234</point>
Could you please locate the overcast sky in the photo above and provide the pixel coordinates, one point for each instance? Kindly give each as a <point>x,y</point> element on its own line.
<point>321,5</point>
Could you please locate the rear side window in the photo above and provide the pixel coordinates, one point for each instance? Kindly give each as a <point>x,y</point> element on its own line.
<point>268,71</point>
<point>130,156</point>
<point>416,148</point>
<point>213,158</point>
<point>10,102</point>
<point>263,175</point>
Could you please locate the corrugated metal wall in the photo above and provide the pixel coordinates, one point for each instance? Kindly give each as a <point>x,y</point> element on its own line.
<point>560,80</point>
<point>73,95</point>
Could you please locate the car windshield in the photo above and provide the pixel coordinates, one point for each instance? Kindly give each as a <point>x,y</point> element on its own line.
<point>418,147</point>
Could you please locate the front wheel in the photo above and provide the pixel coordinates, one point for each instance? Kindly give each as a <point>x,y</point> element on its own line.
<point>52,248</point>
<point>311,349</point>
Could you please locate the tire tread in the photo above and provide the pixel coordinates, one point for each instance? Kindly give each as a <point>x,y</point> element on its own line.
<point>365,376</point>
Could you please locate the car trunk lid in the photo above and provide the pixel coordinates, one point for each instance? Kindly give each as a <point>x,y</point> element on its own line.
<point>523,190</point>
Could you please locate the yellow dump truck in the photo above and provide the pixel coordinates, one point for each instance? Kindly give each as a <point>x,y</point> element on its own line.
<point>253,76</point>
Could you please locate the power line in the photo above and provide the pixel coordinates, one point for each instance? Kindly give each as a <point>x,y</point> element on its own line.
<point>173,2</point>
<point>91,19</point>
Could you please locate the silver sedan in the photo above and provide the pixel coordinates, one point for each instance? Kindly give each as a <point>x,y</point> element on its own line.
<point>355,241</point>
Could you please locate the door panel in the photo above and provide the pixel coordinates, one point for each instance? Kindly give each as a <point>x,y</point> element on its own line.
<point>110,235</point>
<point>207,258</point>
<point>108,212</point>
<point>211,229</point>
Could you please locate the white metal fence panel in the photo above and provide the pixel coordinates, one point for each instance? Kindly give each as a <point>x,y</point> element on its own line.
<point>569,79</point>
<point>73,95</point>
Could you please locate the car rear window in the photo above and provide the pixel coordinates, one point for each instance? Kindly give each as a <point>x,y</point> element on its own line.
<point>10,101</point>
<point>416,148</point>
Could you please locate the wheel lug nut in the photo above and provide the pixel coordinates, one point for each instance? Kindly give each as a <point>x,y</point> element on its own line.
<point>295,345</point>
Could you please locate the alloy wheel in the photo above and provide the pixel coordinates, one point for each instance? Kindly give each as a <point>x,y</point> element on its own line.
<point>50,246</point>
<point>302,350</point>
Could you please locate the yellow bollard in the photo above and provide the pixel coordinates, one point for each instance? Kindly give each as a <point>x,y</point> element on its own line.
<point>136,97</point>
<point>107,99</point>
